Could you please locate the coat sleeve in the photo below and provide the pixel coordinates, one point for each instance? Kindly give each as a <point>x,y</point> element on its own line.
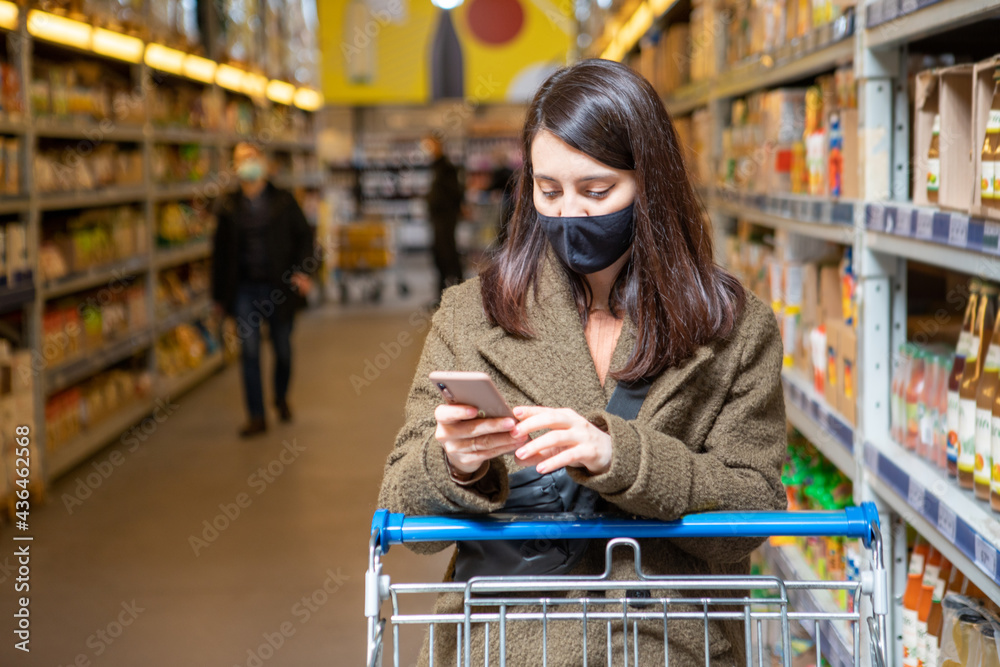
<point>739,468</point>
<point>416,480</point>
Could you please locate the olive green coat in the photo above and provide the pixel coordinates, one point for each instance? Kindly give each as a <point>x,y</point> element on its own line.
<point>710,436</point>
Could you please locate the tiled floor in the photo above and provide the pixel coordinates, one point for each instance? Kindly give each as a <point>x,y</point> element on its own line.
<point>121,578</point>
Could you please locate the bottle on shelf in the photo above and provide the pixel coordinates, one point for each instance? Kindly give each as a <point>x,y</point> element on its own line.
<point>923,622</point>
<point>969,390</point>
<point>957,370</point>
<point>941,415</point>
<point>914,395</point>
<point>991,154</point>
<point>928,408</point>
<point>902,380</point>
<point>985,399</point>
<point>934,162</point>
<point>989,657</point>
<point>911,598</point>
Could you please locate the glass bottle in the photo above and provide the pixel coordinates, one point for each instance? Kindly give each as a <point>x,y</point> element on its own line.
<point>993,138</point>
<point>898,406</point>
<point>935,618</point>
<point>968,391</point>
<point>928,407</point>
<point>934,162</point>
<point>941,415</point>
<point>985,397</point>
<point>957,370</point>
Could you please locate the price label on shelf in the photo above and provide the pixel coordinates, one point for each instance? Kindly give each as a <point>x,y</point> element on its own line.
<point>986,557</point>
<point>958,230</point>
<point>876,218</point>
<point>915,496</point>
<point>946,522</point>
<point>991,237</point>
<point>871,458</point>
<point>925,225</point>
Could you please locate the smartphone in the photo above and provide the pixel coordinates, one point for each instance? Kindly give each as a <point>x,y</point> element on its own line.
<point>472,388</point>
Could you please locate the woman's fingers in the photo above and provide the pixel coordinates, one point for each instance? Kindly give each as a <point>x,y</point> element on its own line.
<point>554,440</point>
<point>473,428</point>
<point>541,419</point>
<point>567,457</point>
<point>453,414</point>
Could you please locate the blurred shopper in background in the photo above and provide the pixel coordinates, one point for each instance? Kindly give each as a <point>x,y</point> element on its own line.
<point>444,203</point>
<point>262,255</point>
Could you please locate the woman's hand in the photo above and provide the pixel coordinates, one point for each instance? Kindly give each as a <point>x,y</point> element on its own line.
<point>571,440</point>
<point>469,442</point>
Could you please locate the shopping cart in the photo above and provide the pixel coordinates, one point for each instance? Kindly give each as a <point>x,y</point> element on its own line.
<point>365,253</point>
<point>497,603</point>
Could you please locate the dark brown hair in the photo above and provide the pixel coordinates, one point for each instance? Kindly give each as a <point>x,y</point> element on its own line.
<point>671,287</point>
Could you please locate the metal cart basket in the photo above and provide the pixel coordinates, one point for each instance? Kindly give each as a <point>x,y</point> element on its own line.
<point>497,603</point>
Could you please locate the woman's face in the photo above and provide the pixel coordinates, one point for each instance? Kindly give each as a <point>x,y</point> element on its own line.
<point>570,183</point>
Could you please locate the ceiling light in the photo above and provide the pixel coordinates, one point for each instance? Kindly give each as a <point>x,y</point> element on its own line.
<point>117,45</point>
<point>230,77</point>
<point>200,69</point>
<point>280,92</point>
<point>8,15</point>
<point>308,99</point>
<point>165,59</point>
<point>59,29</point>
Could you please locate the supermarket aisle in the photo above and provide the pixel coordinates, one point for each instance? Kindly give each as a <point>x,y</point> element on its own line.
<point>134,547</point>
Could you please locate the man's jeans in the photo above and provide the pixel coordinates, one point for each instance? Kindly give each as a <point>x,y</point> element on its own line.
<point>253,306</point>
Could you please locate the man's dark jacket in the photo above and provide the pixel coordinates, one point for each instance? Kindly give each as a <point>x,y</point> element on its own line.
<point>291,242</point>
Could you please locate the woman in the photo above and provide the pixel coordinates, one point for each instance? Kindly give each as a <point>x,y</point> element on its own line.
<point>607,278</point>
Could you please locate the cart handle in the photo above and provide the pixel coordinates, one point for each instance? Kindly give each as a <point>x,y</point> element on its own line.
<point>854,522</point>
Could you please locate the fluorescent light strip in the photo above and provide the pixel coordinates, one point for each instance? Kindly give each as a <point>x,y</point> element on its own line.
<point>165,59</point>
<point>117,45</point>
<point>308,99</point>
<point>59,29</point>
<point>8,15</point>
<point>280,92</point>
<point>230,77</point>
<point>255,85</point>
<point>200,69</point>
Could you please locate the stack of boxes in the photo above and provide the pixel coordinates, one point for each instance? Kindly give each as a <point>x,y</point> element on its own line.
<point>17,408</point>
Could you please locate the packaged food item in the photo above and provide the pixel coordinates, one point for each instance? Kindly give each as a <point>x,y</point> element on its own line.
<point>969,389</point>
<point>911,600</point>
<point>934,162</point>
<point>932,639</point>
<point>990,156</point>
<point>957,371</point>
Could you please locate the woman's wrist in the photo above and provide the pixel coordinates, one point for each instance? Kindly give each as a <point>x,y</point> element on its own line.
<point>467,478</point>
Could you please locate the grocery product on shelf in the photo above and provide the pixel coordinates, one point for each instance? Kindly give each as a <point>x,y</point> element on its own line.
<point>173,163</point>
<point>66,169</point>
<point>178,223</point>
<point>92,238</point>
<point>84,90</point>
<point>968,390</point>
<point>911,600</point>
<point>962,350</point>
<point>915,388</point>
<point>17,408</point>
<point>986,396</point>
<point>932,629</point>
<point>74,326</point>
<point>990,154</point>
<point>934,161</point>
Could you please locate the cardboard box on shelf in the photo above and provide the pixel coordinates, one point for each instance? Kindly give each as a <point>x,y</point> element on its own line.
<point>830,304</point>
<point>850,181</point>
<point>984,86</point>
<point>831,375</point>
<point>957,166</point>
<point>847,368</point>
<point>810,295</point>
<point>926,105</point>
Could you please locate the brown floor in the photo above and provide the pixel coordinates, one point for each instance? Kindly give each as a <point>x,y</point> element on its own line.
<point>125,554</point>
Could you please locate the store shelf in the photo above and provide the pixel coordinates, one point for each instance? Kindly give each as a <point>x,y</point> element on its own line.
<point>190,252</point>
<point>103,275</point>
<point>836,637</point>
<point>799,62</point>
<point>827,219</point>
<point>75,370</point>
<point>16,297</point>
<point>185,315</point>
<point>825,428</point>
<point>13,205</point>
<point>172,387</point>
<point>890,23</point>
<point>184,136</point>
<point>8,126</point>
<point>88,131</point>
<point>94,439</point>
<point>963,528</point>
<point>193,190</point>
<point>53,201</point>
<point>291,145</point>
<point>940,238</point>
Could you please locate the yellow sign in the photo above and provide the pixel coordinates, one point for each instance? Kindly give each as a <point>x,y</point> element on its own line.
<point>411,51</point>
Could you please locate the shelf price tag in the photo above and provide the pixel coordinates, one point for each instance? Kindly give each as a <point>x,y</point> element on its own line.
<point>946,522</point>
<point>915,496</point>
<point>876,218</point>
<point>986,557</point>
<point>871,458</point>
<point>991,236</point>
<point>925,225</point>
<point>958,230</point>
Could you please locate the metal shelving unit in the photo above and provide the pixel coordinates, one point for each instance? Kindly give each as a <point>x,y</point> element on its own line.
<point>885,235</point>
<point>34,209</point>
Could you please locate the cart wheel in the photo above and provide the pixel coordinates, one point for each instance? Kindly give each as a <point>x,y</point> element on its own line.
<point>343,292</point>
<point>404,290</point>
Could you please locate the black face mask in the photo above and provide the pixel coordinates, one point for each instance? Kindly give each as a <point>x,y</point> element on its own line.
<point>589,244</point>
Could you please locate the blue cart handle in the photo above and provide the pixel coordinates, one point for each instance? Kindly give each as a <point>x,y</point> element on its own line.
<point>852,522</point>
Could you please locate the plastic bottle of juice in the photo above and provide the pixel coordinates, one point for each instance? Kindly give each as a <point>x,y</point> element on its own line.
<point>899,395</point>
<point>941,415</point>
<point>985,397</point>
<point>957,370</point>
<point>928,407</point>
<point>969,389</point>
<point>935,619</point>
<point>923,616</point>
<point>914,395</point>
<point>911,598</point>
